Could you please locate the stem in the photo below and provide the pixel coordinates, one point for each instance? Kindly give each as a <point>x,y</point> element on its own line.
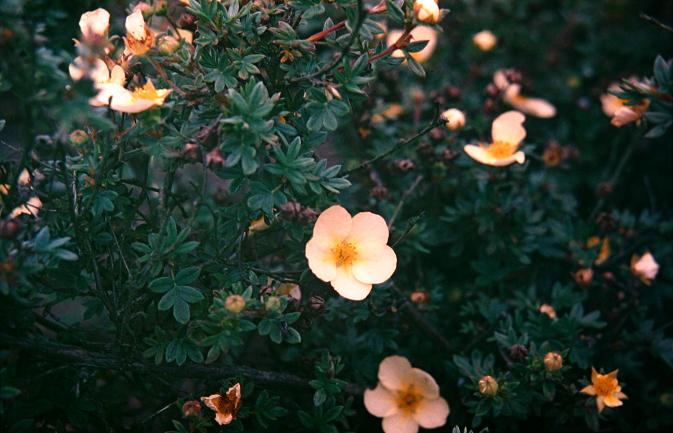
<point>317,36</point>
<point>406,195</point>
<point>401,42</point>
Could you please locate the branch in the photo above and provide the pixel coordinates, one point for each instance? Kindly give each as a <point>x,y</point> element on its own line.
<point>77,356</point>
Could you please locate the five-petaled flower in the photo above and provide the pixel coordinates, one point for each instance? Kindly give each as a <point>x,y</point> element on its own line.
<point>507,133</point>
<point>226,407</point>
<point>351,253</point>
<point>406,398</point>
<point>606,389</point>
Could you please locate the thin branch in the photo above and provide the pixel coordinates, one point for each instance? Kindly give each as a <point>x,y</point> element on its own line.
<point>655,21</point>
<point>406,195</point>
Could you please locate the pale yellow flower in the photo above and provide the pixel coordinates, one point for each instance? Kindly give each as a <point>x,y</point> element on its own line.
<point>126,101</point>
<point>31,208</point>
<point>406,398</point>
<point>534,106</point>
<point>139,39</point>
<point>485,40</point>
<point>454,118</point>
<point>95,24</point>
<point>351,253</point>
<point>645,267</point>
<point>427,11</point>
<point>507,134</point>
<point>226,407</point>
<point>419,33</point>
<point>606,389</point>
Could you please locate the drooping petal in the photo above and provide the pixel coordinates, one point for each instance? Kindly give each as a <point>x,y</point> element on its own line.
<point>508,127</point>
<point>399,423</point>
<point>425,383</point>
<point>348,286</point>
<point>368,228</point>
<point>432,413</point>
<point>395,372</point>
<point>333,225</point>
<point>380,402</point>
<point>320,261</point>
<point>375,265</point>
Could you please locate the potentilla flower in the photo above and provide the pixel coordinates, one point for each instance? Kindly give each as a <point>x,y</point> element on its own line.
<point>139,39</point>
<point>548,310</point>
<point>351,253</point>
<point>427,11</point>
<point>485,40</point>
<point>621,112</point>
<point>488,386</point>
<point>604,252</point>
<point>95,24</point>
<point>127,101</point>
<point>553,361</point>
<point>454,118</point>
<point>507,133</point>
<point>406,398</point>
<point>419,33</point>
<point>234,303</point>
<point>226,407</point>
<point>31,207</point>
<point>97,71</point>
<point>606,389</point>
<point>645,267</point>
<point>534,106</point>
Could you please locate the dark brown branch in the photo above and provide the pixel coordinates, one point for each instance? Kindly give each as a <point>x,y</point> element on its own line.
<point>77,356</point>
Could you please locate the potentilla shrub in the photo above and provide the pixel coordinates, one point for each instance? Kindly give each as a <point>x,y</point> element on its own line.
<point>334,216</point>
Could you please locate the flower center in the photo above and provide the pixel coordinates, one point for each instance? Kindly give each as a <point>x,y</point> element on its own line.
<point>146,92</point>
<point>604,386</point>
<point>501,149</point>
<point>344,253</point>
<point>408,400</point>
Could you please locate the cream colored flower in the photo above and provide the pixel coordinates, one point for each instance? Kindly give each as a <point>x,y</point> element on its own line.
<point>427,11</point>
<point>645,267</point>
<point>534,106</point>
<point>126,101</point>
<point>95,24</point>
<point>226,407</point>
<point>350,252</point>
<point>454,118</point>
<point>139,39</point>
<point>485,40</point>
<point>32,207</point>
<point>405,398</point>
<point>419,33</point>
<point>507,133</point>
<point>606,389</point>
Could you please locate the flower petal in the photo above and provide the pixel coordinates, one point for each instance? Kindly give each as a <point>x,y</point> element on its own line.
<point>399,423</point>
<point>320,261</point>
<point>432,413</point>
<point>333,225</point>
<point>481,154</point>
<point>380,402</point>
<point>368,228</point>
<point>589,390</point>
<point>375,266</point>
<point>425,383</point>
<point>348,286</point>
<point>508,127</point>
<point>395,372</point>
<point>612,401</point>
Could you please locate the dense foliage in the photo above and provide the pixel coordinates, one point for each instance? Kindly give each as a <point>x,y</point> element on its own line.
<point>151,255</point>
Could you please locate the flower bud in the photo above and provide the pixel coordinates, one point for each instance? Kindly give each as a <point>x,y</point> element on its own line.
<point>518,352</point>
<point>548,310</point>
<point>234,303</point>
<point>272,303</point>
<point>191,408</point>
<point>427,11</point>
<point>419,297</point>
<point>584,276</point>
<point>488,386</point>
<point>9,228</point>
<point>454,118</point>
<point>553,361</point>
<point>485,40</point>
<point>78,137</point>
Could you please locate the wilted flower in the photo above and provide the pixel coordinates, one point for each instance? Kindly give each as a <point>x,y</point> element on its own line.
<point>553,361</point>
<point>620,110</point>
<point>226,407</point>
<point>604,252</point>
<point>548,310</point>
<point>454,118</point>
<point>31,207</point>
<point>406,398</point>
<point>234,303</point>
<point>95,24</point>
<point>419,33</point>
<point>291,290</point>
<point>553,154</point>
<point>518,352</point>
<point>606,389</point>
<point>488,386</point>
<point>258,225</point>
<point>139,38</point>
<point>485,40</point>
<point>214,157</point>
<point>584,276</point>
<point>191,408</point>
<point>534,106</point>
<point>427,11</point>
<point>507,133</point>
<point>350,252</point>
<point>644,267</point>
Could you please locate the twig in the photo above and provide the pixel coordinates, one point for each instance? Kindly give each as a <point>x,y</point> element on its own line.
<point>406,195</point>
<point>401,42</point>
<point>317,36</point>
<point>655,21</point>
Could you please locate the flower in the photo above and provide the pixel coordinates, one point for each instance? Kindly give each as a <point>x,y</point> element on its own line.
<point>350,252</point>
<point>485,40</point>
<point>225,407</point>
<point>534,106</point>
<point>553,361</point>
<point>454,118</point>
<point>620,110</point>
<point>95,24</point>
<point>553,154</point>
<point>644,267</point>
<point>31,207</point>
<point>191,408</point>
<point>419,33</point>
<point>507,133</point>
<point>136,101</point>
<point>406,398</point>
<point>427,11</point>
<point>548,310</point>
<point>139,38</point>
<point>488,386</point>
<point>234,303</point>
<point>291,290</point>
<point>97,71</point>
<point>606,389</point>
<point>258,225</point>
<point>604,252</point>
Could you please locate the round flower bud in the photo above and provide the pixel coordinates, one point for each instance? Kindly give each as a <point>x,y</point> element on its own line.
<point>488,386</point>
<point>584,276</point>
<point>485,40</point>
<point>272,303</point>
<point>553,361</point>
<point>427,11</point>
<point>419,297</point>
<point>191,408</point>
<point>234,303</point>
<point>78,137</point>
<point>9,228</point>
<point>518,352</point>
<point>454,118</point>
